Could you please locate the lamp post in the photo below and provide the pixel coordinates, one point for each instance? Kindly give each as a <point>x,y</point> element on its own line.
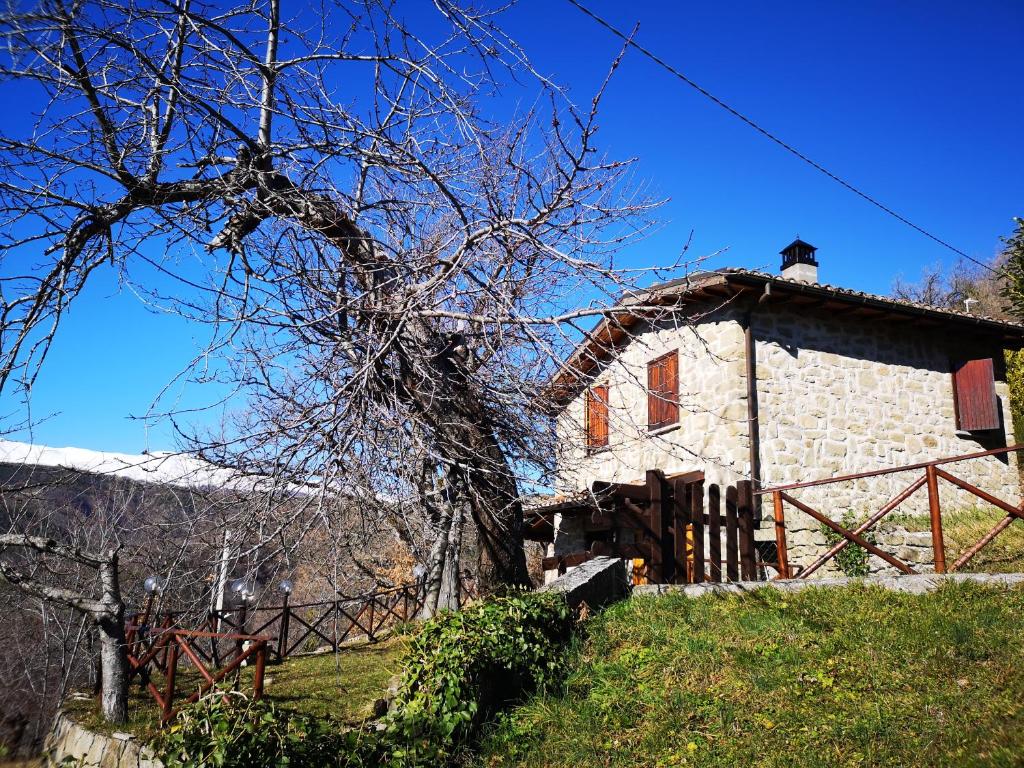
<point>285,588</point>
<point>244,592</point>
<point>153,585</point>
<point>137,636</point>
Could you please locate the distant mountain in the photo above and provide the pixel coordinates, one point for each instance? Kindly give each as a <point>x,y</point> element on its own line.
<point>161,468</point>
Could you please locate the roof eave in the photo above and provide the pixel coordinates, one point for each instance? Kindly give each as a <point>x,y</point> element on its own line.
<point>1011,335</point>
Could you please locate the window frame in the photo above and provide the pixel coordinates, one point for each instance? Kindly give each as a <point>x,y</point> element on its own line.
<point>664,402</point>
<point>597,394</point>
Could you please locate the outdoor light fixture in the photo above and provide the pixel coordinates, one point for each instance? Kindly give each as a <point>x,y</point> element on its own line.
<point>245,589</point>
<point>154,584</point>
<point>286,586</point>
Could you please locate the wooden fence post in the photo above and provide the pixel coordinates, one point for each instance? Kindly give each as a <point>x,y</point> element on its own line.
<point>261,666</point>
<point>714,533</point>
<point>168,621</point>
<point>934,508</point>
<point>745,515</point>
<point>732,557</point>
<point>697,518</point>
<point>172,670</point>
<point>661,512</point>
<point>282,631</point>
<point>680,522</point>
<point>240,629</point>
<point>780,535</point>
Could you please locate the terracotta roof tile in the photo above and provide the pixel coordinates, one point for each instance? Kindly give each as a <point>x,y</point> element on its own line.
<point>849,292</point>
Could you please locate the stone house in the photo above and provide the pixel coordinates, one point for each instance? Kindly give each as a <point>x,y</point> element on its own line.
<point>781,379</point>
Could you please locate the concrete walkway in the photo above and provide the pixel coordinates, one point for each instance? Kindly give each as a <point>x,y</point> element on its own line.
<point>914,583</point>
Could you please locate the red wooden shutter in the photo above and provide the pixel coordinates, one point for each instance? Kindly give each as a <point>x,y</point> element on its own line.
<point>663,391</point>
<point>653,394</point>
<point>597,417</point>
<point>974,391</point>
<point>670,414</point>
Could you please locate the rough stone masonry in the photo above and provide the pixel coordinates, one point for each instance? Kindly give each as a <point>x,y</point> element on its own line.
<point>835,396</point>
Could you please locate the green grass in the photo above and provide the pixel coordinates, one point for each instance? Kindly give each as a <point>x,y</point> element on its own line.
<point>825,677</point>
<point>341,687</point>
<point>961,529</point>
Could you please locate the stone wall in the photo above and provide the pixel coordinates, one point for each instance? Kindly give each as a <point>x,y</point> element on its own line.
<point>712,432</point>
<point>835,396</point>
<point>69,741</point>
<point>840,396</point>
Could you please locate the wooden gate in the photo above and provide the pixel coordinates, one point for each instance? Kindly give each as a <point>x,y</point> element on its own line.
<point>676,530</point>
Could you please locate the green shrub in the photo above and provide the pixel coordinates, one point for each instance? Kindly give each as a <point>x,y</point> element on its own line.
<point>228,730</point>
<point>463,667</point>
<point>853,559</point>
<point>1015,383</point>
<point>460,669</point>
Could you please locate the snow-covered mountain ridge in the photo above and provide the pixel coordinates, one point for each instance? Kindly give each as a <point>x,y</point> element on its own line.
<point>162,467</point>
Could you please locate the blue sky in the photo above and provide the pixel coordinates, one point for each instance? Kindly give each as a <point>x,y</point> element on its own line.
<point>915,102</point>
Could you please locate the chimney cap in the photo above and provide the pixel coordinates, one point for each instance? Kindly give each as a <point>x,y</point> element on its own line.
<point>798,262</point>
<point>798,252</point>
<point>796,246</point>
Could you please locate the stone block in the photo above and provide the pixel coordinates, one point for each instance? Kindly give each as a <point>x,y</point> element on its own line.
<point>597,583</point>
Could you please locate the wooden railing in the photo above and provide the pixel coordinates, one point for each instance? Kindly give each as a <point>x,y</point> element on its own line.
<point>158,646</point>
<point>929,479</point>
<point>330,623</point>
<point>290,625</point>
<point>167,648</point>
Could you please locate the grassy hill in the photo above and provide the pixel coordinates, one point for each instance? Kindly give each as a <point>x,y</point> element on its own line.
<point>842,677</point>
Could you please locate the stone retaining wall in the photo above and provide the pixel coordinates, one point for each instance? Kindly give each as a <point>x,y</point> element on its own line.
<point>912,547</point>
<point>88,749</point>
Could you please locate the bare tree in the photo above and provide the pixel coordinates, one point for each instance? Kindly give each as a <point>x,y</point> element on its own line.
<point>963,287</point>
<point>384,257</point>
<point>78,546</point>
<point>105,609</point>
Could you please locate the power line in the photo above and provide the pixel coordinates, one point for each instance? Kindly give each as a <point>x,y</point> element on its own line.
<point>772,137</point>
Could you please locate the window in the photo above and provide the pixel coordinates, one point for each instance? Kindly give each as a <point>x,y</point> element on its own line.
<point>597,417</point>
<point>663,391</point>
<point>974,392</point>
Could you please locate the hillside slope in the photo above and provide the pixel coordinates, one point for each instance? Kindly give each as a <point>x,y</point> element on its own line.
<point>841,677</point>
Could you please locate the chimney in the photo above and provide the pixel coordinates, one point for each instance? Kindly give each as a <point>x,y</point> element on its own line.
<point>798,262</point>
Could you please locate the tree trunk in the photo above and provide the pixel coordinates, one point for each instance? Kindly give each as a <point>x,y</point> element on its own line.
<point>443,587</point>
<point>436,375</point>
<point>113,649</point>
<point>113,668</point>
<point>444,391</point>
<point>450,594</point>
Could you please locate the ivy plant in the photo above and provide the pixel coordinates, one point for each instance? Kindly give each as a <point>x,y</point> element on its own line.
<point>852,560</point>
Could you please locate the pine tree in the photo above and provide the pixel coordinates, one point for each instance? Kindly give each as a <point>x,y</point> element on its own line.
<point>1013,270</point>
